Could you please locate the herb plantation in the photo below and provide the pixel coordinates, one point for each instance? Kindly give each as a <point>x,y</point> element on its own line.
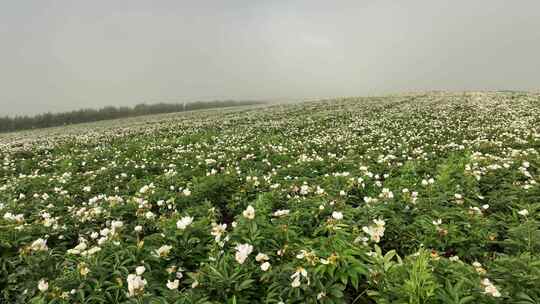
<point>419,198</point>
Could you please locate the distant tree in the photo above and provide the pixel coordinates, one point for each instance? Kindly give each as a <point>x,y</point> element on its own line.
<point>45,120</point>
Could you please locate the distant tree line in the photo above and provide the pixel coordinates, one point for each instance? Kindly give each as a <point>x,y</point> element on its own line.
<point>8,124</point>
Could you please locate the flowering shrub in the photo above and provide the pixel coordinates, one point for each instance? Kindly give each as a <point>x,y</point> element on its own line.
<point>427,198</point>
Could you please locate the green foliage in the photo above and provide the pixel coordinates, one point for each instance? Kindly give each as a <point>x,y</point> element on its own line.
<point>405,199</point>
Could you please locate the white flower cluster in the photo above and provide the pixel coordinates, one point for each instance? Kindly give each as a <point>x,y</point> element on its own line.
<point>375,232</point>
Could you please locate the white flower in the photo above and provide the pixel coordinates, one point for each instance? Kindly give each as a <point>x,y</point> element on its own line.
<point>265,266</point>
<point>242,252</point>
<point>135,285</point>
<point>218,230</point>
<point>281,213</point>
<point>39,245</point>
<point>186,192</point>
<point>523,212</point>
<point>115,225</point>
<point>476,210</point>
<point>337,215</point>
<point>261,257</point>
<point>83,269</point>
<point>379,222</point>
<point>297,276</point>
<point>489,288</point>
<point>144,189</point>
<point>78,249</point>
<point>102,240</point>
<point>150,215</point>
<point>375,232</point>
<point>172,284</point>
<point>184,222</point>
<point>105,231</point>
<point>94,250</point>
<point>321,295</point>
<point>91,251</point>
<point>249,213</point>
<point>140,270</point>
<point>386,193</point>
<point>43,285</point>
<point>492,291</point>
<point>138,228</point>
<point>163,251</point>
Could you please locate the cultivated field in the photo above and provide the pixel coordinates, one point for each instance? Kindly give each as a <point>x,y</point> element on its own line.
<point>421,198</point>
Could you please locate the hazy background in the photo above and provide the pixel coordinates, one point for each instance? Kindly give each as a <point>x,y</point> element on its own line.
<point>64,55</point>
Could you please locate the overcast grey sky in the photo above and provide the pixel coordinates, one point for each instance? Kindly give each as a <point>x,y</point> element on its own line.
<point>64,55</point>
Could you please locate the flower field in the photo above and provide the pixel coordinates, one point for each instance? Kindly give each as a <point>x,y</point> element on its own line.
<point>419,198</point>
